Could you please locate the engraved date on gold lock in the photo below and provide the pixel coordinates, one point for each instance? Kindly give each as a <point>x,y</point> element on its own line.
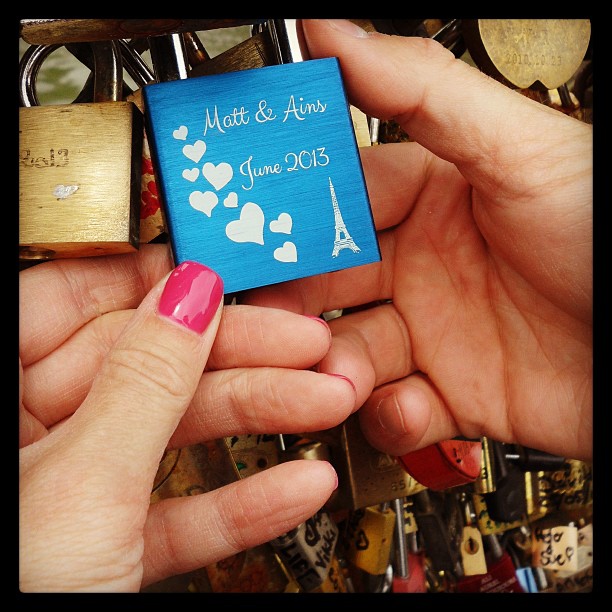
<point>53,159</point>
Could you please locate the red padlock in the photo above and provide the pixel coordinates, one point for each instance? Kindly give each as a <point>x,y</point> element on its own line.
<point>446,464</point>
<point>409,568</point>
<point>500,578</point>
<point>416,581</point>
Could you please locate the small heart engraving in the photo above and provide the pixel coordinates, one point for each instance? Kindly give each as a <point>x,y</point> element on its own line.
<point>203,201</point>
<point>191,174</point>
<point>282,225</point>
<point>232,200</point>
<point>286,253</point>
<point>218,176</point>
<point>249,228</point>
<point>181,133</point>
<point>195,151</point>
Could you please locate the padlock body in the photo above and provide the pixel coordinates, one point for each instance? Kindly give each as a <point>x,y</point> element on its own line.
<point>500,578</point>
<point>366,476</point>
<point>448,463</point>
<point>370,538</point>
<point>79,179</point>
<point>416,581</point>
<point>524,52</point>
<point>308,550</point>
<point>260,174</point>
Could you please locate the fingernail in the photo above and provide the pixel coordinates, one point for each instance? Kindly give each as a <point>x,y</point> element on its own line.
<point>335,473</point>
<point>347,27</point>
<point>191,296</point>
<point>344,378</point>
<point>322,322</point>
<point>389,415</point>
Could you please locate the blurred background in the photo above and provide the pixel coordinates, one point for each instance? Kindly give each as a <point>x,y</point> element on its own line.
<point>62,76</point>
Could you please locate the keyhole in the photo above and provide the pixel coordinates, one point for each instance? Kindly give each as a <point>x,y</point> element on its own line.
<point>471,546</point>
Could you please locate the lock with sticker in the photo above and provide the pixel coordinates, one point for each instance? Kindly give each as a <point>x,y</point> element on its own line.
<point>259,170</point>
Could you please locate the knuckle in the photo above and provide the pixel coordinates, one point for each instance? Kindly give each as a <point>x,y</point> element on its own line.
<point>154,369</point>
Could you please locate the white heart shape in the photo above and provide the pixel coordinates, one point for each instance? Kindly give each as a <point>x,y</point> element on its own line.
<point>195,151</point>
<point>204,201</point>
<point>282,225</point>
<point>61,192</point>
<point>286,253</point>
<point>191,174</point>
<point>181,133</point>
<point>249,228</point>
<point>218,176</point>
<point>232,200</point>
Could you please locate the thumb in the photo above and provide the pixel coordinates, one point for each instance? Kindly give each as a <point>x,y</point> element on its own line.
<point>150,375</point>
<point>443,103</point>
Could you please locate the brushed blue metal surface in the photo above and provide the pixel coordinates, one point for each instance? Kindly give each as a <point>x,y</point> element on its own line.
<point>260,174</point>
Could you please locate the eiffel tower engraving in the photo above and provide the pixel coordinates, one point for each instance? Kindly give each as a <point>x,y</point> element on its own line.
<point>343,238</point>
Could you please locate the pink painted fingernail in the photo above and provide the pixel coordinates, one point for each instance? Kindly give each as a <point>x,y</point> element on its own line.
<point>191,296</point>
<point>344,378</point>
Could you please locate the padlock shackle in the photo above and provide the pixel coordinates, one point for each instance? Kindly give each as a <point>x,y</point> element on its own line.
<point>107,71</point>
<point>29,66</point>
<point>401,550</point>
<point>169,57</point>
<point>288,39</point>
<point>134,65</point>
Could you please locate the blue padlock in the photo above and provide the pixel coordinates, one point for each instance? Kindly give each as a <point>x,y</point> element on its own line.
<point>259,170</point>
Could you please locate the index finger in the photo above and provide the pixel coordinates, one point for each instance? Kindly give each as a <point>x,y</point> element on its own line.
<point>71,292</point>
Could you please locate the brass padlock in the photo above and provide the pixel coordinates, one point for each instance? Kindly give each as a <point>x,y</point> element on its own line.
<point>80,165</point>
<point>366,477</point>
<point>485,483</point>
<point>486,524</point>
<point>440,521</point>
<point>253,453</point>
<point>198,469</point>
<point>568,489</point>
<point>528,52</point>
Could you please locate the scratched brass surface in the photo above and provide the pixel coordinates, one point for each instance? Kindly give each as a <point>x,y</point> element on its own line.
<point>524,52</point>
<point>79,182</point>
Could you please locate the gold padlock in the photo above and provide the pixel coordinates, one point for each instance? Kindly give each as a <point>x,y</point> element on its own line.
<point>253,453</point>
<point>487,525</point>
<point>366,477</point>
<point>198,469</point>
<point>369,538</point>
<point>528,52</point>
<point>568,490</point>
<point>79,166</point>
<point>485,483</point>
